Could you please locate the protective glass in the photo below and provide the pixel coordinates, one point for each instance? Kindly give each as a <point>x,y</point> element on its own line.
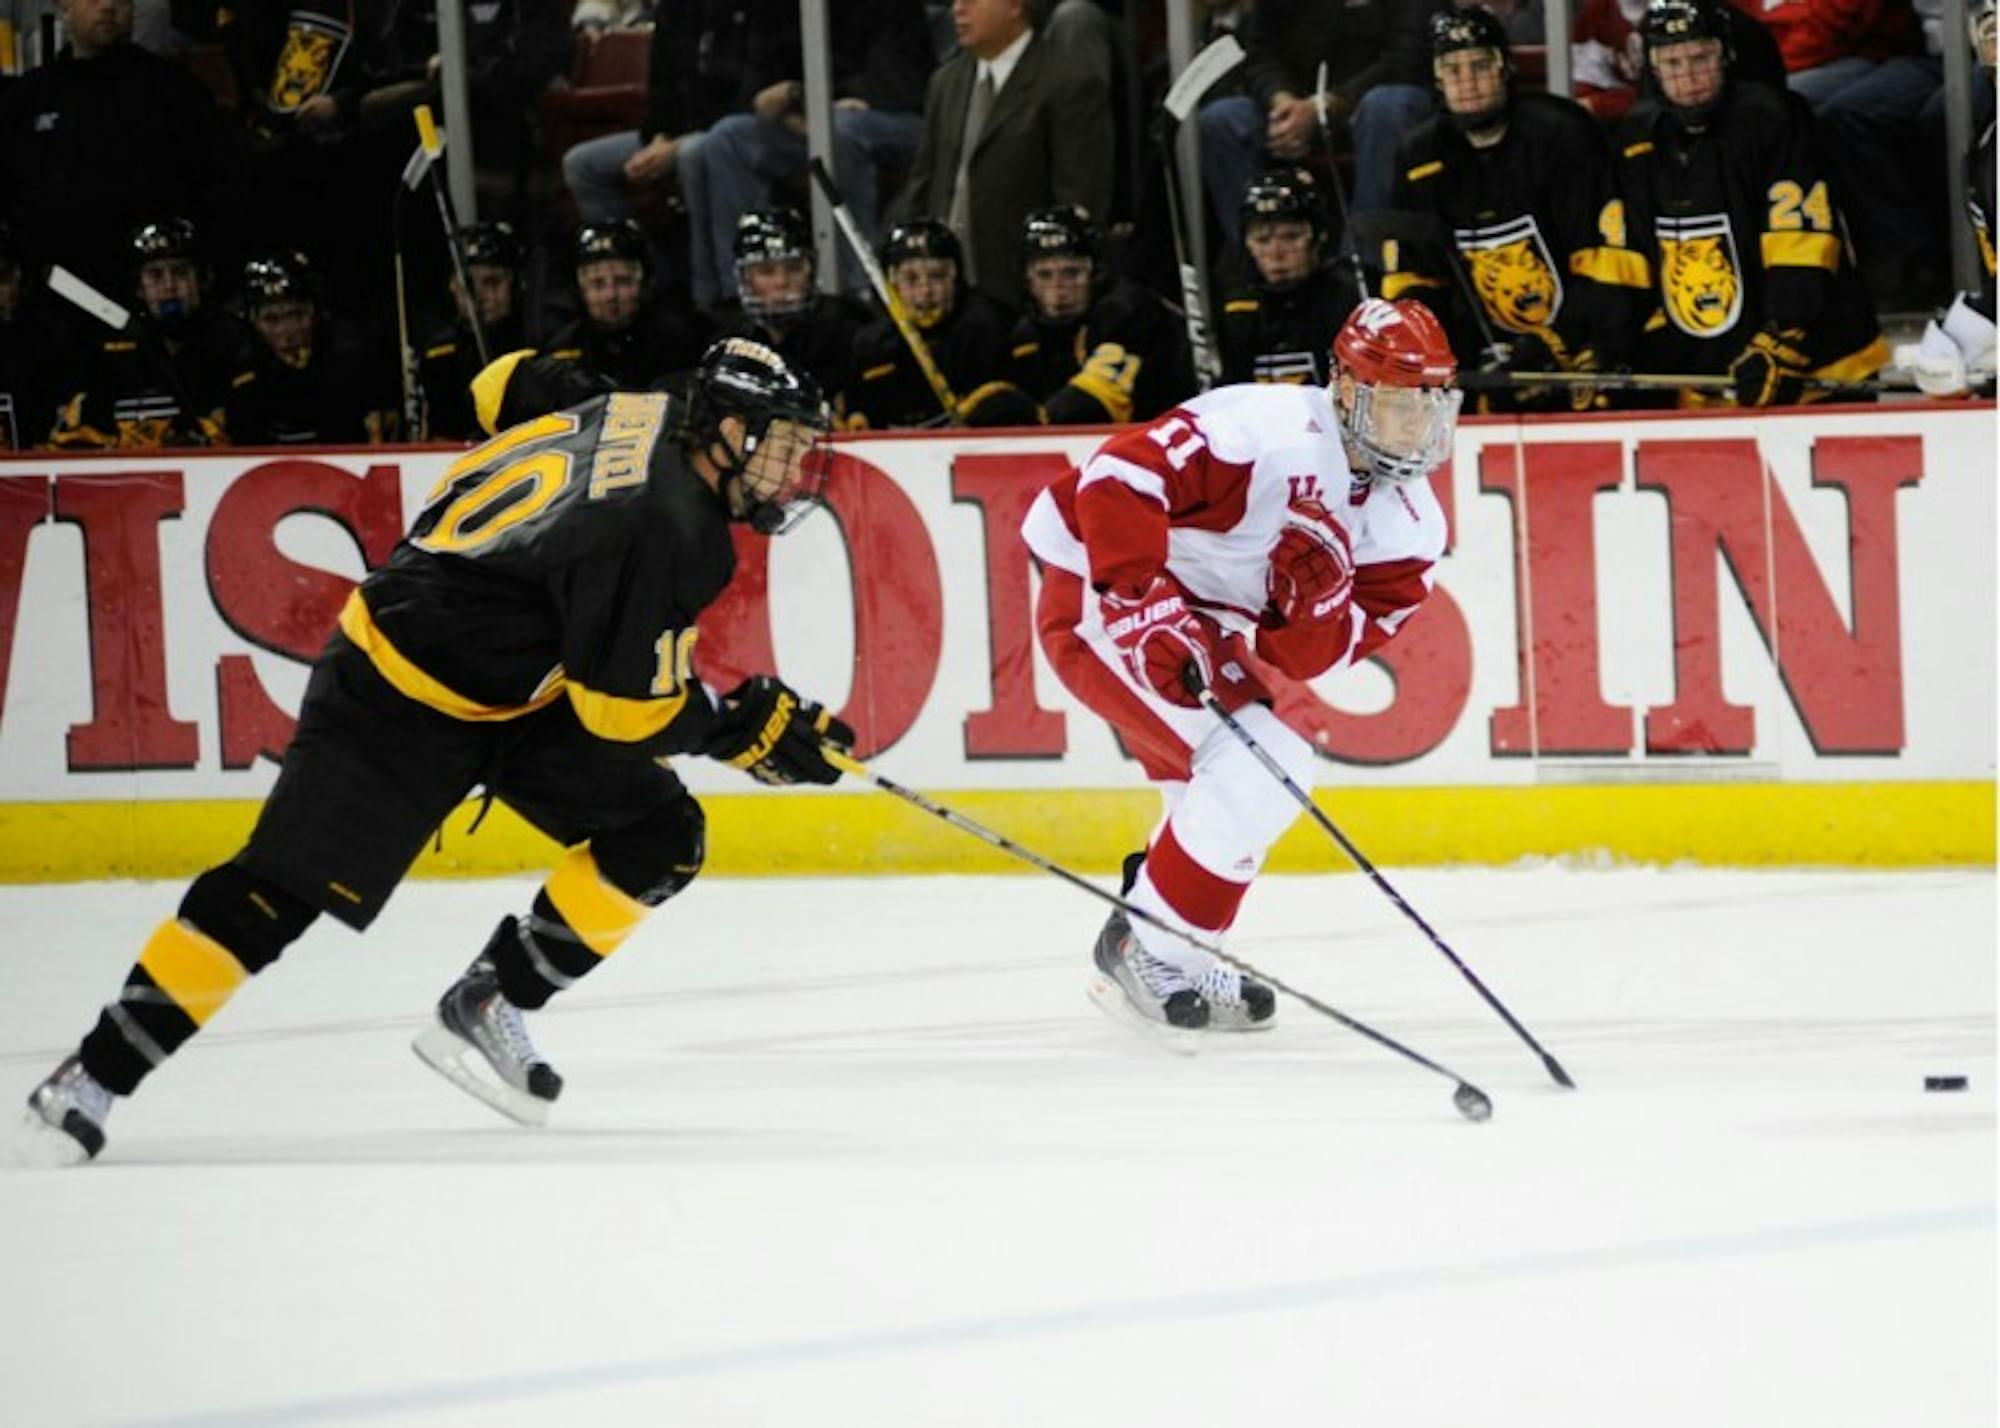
<point>784,474</point>
<point>1405,431</point>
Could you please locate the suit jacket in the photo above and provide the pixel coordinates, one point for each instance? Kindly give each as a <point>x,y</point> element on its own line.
<point>1048,140</point>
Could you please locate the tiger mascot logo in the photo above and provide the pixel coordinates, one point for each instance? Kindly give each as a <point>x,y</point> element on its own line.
<point>1512,272</point>
<point>1701,280</point>
<point>313,47</point>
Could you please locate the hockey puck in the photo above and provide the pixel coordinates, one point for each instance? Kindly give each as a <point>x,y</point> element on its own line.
<point>1944,1083</point>
<point>1472,1103</point>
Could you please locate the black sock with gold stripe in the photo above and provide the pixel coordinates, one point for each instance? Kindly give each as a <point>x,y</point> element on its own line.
<point>579,919</point>
<point>231,924</point>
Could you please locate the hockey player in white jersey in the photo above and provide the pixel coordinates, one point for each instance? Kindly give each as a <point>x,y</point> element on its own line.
<point>1292,523</point>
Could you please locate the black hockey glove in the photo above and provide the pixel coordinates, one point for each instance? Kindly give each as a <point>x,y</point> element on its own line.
<point>1770,372</point>
<point>767,729</point>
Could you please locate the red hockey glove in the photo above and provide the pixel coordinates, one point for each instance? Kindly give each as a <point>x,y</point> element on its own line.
<point>1159,636</point>
<point>1311,577</point>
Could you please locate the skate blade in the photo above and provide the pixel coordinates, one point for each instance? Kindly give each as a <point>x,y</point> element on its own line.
<point>452,1059</point>
<point>41,1146</point>
<point>1110,999</point>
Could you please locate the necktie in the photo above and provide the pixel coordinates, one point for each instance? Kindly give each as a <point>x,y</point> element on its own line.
<point>961,189</point>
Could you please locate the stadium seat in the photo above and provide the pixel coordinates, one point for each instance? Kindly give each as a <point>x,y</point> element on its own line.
<point>605,93</point>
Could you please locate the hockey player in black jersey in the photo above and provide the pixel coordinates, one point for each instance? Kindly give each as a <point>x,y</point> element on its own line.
<point>532,635</point>
<point>1955,355</point>
<point>30,371</point>
<point>1280,326</point>
<point>625,333</point>
<point>780,306</point>
<point>450,358</point>
<point>163,384</point>
<point>312,378</point>
<point>1091,349</point>
<point>965,330</point>
<point>1729,206</point>
<point>1522,186</point>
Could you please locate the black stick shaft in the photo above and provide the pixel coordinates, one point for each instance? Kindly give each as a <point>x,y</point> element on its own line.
<point>1007,845</point>
<point>1304,799</point>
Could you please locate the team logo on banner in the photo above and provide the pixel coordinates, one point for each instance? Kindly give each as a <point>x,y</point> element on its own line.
<point>1700,274</point>
<point>1513,273</point>
<point>313,47</point>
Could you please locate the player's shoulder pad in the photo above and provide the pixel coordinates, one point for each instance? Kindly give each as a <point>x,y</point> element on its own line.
<point>520,385</point>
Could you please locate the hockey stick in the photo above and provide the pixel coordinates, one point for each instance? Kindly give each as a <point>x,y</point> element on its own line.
<point>1276,770</point>
<point>886,294</point>
<point>1347,240</point>
<point>65,284</point>
<point>432,144</point>
<point>1653,381</point>
<point>1472,1103</point>
<point>1203,71</point>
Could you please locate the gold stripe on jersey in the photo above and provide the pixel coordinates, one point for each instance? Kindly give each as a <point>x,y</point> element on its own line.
<point>1614,267</point>
<point>622,720</point>
<point>1424,171</point>
<point>602,915</point>
<point>491,385</point>
<point>1800,250</point>
<point>413,682</point>
<point>1639,150</point>
<point>198,972</point>
<point>1243,305</point>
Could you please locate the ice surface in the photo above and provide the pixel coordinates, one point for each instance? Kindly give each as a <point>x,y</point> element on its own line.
<point>860,1152</point>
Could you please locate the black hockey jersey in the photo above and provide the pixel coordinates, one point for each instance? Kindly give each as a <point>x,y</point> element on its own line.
<point>129,399</point>
<point>1125,359</point>
<point>565,559</point>
<point>446,365</point>
<point>31,362</point>
<point>1740,231</point>
<point>969,347</point>
<point>657,344</point>
<point>345,394</point>
<point>1979,210</point>
<point>1536,224</point>
<point>1285,335</point>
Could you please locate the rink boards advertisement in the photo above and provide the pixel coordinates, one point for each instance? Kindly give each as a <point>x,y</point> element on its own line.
<point>1727,639</point>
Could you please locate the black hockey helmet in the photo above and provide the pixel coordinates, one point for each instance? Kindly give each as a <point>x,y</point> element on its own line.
<point>1281,193</point>
<point>285,276</point>
<point>922,238</point>
<point>493,243</point>
<point>1676,22</point>
<point>612,238</point>
<point>165,238</point>
<point>773,235</point>
<point>779,474</point>
<point>1065,231</point>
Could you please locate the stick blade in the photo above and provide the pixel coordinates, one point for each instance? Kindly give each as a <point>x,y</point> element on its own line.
<point>1555,1070</point>
<point>65,284</point>
<point>1215,60</point>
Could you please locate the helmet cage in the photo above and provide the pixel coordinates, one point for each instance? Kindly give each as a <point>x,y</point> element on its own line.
<point>1403,433</point>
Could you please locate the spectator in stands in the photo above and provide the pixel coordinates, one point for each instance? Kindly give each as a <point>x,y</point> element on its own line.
<point>1830,44</point>
<point>30,356</point>
<point>312,378</point>
<point>624,333</point>
<point>965,331</point>
<point>1274,327</point>
<point>880,62</point>
<point>1898,209</point>
<point>1379,85</point>
<point>1955,355</point>
<point>163,383</point>
<point>450,358</point>
<point>1528,253</point>
<point>1091,349</point>
<point>1010,125</point>
<point>779,303</point>
<point>102,138</point>
<point>1728,204</point>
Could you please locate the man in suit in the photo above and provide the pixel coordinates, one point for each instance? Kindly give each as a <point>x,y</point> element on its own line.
<point>1010,126</point>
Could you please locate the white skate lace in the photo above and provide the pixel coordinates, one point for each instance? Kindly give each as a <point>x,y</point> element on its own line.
<point>1162,979</point>
<point>503,1019</point>
<point>1221,986</point>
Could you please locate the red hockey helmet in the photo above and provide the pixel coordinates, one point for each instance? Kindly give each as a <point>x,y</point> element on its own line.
<point>1393,370</point>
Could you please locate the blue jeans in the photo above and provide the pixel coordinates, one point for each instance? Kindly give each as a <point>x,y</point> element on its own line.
<point>1882,138</point>
<point>594,174</point>
<point>1822,82</point>
<point>1232,147</point>
<point>742,157</point>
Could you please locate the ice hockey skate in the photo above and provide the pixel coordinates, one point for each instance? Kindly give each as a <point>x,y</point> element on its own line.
<point>65,1120</point>
<point>480,1044</point>
<point>1163,1001</point>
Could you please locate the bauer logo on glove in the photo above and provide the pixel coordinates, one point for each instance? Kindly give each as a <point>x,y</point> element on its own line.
<point>769,732</point>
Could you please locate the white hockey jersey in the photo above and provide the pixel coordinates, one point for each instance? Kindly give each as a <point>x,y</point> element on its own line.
<point>1204,491</point>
